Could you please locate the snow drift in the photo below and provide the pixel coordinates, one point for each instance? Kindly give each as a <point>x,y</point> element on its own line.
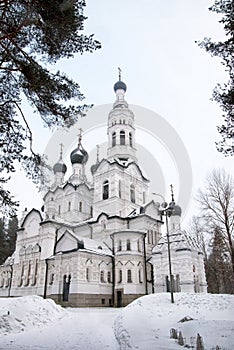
<point>146,323</point>
<point>19,314</point>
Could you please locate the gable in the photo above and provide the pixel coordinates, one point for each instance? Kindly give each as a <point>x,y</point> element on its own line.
<point>31,222</point>
<point>68,243</point>
<point>151,209</point>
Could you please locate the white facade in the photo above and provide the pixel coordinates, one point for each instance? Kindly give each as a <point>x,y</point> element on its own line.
<point>91,245</point>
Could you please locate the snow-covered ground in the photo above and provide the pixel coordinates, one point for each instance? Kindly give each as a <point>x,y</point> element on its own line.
<point>32,323</point>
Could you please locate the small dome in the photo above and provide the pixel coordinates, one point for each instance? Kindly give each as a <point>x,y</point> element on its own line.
<point>79,155</point>
<point>176,211</point>
<point>60,167</point>
<point>120,85</point>
<point>94,168</point>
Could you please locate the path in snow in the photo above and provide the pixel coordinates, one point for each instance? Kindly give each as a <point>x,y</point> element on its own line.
<point>80,329</point>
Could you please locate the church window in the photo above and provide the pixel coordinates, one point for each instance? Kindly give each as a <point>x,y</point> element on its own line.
<point>80,206</point>
<point>139,245</point>
<point>105,190</point>
<point>119,245</point>
<point>69,206</point>
<point>109,277</point>
<point>140,277</point>
<point>59,209</point>
<point>148,236</point>
<point>87,274</point>
<point>124,121</point>
<point>91,210</point>
<point>51,280</point>
<point>130,139</point>
<point>152,236</point>
<point>129,276</point>
<point>120,276</point>
<point>120,189</point>
<point>143,197</point>
<point>35,273</point>
<point>102,276</point>
<point>128,244</point>
<point>132,193</point>
<point>122,137</point>
<point>113,139</point>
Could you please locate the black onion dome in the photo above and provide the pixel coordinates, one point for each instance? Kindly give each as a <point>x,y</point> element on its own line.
<point>79,156</point>
<point>120,85</point>
<point>176,211</point>
<point>60,167</point>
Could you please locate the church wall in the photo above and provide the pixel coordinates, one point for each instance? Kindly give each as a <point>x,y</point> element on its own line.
<point>87,286</point>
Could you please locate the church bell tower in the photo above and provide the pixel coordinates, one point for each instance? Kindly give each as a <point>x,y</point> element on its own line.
<point>121,130</point>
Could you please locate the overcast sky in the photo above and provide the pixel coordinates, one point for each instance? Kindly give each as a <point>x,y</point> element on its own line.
<point>165,71</point>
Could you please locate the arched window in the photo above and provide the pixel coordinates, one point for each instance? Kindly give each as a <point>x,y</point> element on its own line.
<point>130,139</point>
<point>124,121</point>
<point>122,137</point>
<point>105,190</point>
<point>59,209</point>
<point>113,139</point>
<point>139,245</point>
<point>120,276</point>
<point>143,197</point>
<point>132,193</point>
<point>80,206</point>
<point>129,276</point>
<point>128,246</point>
<point>87,274</point>
<point>69,206</point>
<point>119,245</point>
<point>120,189</point>
<point>102,276</point>
<point>109,277</point>
<point>139,274</point>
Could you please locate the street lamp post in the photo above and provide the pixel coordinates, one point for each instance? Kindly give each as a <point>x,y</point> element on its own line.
<point>167,211</point>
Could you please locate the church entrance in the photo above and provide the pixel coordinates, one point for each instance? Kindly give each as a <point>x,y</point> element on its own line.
<point>66,286</point>
<point>119,299</point>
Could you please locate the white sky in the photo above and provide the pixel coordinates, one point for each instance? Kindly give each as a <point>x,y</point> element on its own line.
<point>164,69</point>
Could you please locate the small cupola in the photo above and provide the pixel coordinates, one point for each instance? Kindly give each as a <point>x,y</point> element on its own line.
<point>59,169</point>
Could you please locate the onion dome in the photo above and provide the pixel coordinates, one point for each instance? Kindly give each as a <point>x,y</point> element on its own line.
<point>60,167</point>
<point>79,155</point>
<point>176,211</point>
<point>120,85</point>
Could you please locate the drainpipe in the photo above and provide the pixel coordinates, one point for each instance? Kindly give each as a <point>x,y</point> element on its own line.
<point>9,289</point>
<point>146,286</point>
<point>46,278</point>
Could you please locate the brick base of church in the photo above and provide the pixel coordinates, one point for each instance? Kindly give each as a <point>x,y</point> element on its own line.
<point>93,300</point>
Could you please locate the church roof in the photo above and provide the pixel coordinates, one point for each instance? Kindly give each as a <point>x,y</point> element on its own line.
<point>179,241</point>
<point>123,166</point>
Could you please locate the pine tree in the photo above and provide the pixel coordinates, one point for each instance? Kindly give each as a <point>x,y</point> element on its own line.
<point>224,95</point>
<point>11,235</point>
<point>3,243</point>
<point>34,34</point>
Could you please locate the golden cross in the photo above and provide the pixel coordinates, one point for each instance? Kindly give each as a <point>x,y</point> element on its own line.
<point>61,150</point>
<point>172,194</point>
<point>80,136</point>
<point>98,147</point>
<point>120,71</point>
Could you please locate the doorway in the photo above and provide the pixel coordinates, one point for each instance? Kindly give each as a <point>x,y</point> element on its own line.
<point>119,299</point>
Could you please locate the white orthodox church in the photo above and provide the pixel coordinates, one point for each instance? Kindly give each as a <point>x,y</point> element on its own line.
<point>100,243</point>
